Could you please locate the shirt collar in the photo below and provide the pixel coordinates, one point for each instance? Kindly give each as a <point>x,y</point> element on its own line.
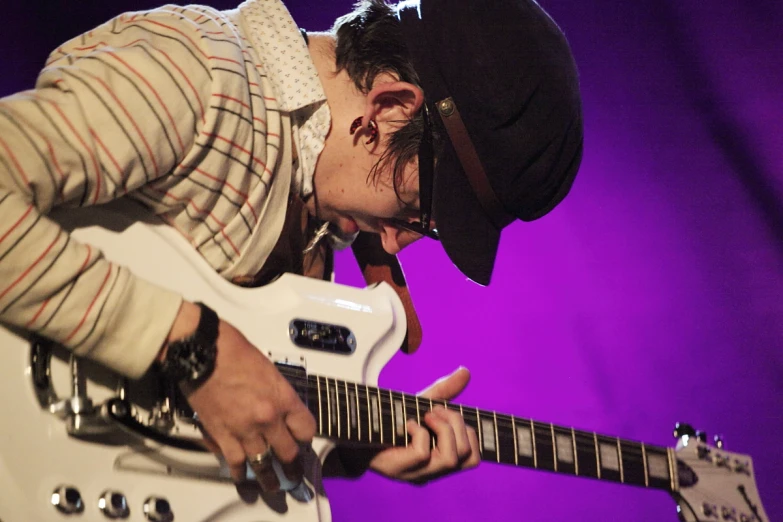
<point>284,54</point>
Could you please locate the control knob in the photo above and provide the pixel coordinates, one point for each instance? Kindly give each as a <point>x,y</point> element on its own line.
<point>113,504</point>
<point>68,500</point>
<point>158,509</point>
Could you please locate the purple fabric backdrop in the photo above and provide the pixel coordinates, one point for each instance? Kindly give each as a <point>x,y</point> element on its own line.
<point>652,295</point>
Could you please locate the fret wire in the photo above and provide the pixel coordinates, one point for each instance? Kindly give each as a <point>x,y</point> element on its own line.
<point>533,438</point>
<point>432,437</point>
<point>620,461</point>
<point>358,413</point>
<point>597,454</point>
<point>347,410</point>
<point>672,478</point>
<point>497,440</point>
<point>320,415</point>
<point>462,414</point>
<point>418,413</point>
<point>369,412</point>
<point>328,406</point>
<point>644,460</point>
<point>393,420</point>
<point>479,430</point>
<point>554,444</point>
<point>380,413</point>
<point>405,420</point>
<point>576,456</point>
<point>337,406</point>
<point>516,448</point>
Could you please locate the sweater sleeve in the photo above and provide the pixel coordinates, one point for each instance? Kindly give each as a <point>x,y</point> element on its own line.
<point>112,111</point>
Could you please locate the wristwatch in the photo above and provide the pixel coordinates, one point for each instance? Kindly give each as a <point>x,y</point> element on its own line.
<point>191,360</point>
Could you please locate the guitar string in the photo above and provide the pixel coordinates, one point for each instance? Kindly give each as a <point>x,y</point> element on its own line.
<point>634,449</point>
<point>505,421</point>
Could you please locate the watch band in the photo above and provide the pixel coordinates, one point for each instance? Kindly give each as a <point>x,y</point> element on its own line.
<point>207,329</point>
<point>192,359</point>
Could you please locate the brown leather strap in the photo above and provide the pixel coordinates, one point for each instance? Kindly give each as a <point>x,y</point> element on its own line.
<point>471,163</point>
<point>378,266</point>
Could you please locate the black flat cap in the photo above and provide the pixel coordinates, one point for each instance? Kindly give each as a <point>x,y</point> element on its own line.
<point>501,77</point>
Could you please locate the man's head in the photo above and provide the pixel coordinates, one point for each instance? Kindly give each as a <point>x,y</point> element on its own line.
<point>501,88</point>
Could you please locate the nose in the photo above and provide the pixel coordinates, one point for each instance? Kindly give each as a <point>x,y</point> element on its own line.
<point>395,239</point>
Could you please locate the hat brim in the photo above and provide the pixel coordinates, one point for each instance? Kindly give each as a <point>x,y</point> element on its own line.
<point>468,236</point>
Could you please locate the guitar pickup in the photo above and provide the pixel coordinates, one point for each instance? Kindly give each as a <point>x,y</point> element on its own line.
<point>324,337</point>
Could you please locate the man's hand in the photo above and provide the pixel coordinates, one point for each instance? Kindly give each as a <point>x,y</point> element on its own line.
<point>457,446</point>
<point>246,407</point>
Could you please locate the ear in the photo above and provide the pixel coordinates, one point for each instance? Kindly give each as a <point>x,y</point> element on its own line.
<point>391,100</point>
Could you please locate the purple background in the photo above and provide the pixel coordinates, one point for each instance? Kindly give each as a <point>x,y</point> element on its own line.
<point>651,295</point>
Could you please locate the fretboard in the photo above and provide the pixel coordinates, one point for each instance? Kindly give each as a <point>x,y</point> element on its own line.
<point>355,412</point>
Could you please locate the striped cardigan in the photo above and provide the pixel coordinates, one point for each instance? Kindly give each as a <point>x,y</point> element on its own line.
<point>175,108</point>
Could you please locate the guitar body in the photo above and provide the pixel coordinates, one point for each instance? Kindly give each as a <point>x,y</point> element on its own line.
<point>38,455</point>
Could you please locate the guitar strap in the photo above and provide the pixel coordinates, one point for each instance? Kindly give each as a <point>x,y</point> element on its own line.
<point>379,266</point>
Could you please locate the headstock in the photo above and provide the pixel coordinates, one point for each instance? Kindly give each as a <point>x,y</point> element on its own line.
<point>714,484</point>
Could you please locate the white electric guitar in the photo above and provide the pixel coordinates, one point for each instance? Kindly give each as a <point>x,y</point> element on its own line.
<point>79,443</point>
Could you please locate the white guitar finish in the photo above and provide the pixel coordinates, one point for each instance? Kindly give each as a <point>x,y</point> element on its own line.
<point>37,455</point>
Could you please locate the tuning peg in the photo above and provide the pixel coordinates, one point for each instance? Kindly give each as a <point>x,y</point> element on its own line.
<point>681,430</point>
<point>702,436</point>
<point>718,441</point>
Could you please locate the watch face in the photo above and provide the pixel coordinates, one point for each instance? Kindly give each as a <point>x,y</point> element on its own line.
<point>190,361</point>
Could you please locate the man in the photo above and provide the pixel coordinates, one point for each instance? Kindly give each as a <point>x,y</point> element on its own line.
<point>264,147</point>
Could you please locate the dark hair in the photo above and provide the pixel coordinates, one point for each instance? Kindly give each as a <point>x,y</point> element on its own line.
<point>369,43</point>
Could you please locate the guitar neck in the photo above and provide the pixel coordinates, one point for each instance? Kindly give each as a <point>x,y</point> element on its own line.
<point>364,414</point>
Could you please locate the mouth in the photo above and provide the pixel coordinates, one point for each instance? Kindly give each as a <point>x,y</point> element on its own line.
<point>347,225</point>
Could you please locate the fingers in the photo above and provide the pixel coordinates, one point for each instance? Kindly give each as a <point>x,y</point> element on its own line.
<point>301,423</point>
<point>280,440</point>
<point>448,387</point>
<point>400,462</point>
<point>474,458</point>
<point>457,444</point>
<point>234,454</point>
<point>271,452</point>
<point>445,452</point>
<point>259,458</point>
<point>457,448</point>
<point>286,449</point>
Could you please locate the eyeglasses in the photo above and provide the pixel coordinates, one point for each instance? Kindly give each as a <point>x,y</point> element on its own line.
<point>426,180</point>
